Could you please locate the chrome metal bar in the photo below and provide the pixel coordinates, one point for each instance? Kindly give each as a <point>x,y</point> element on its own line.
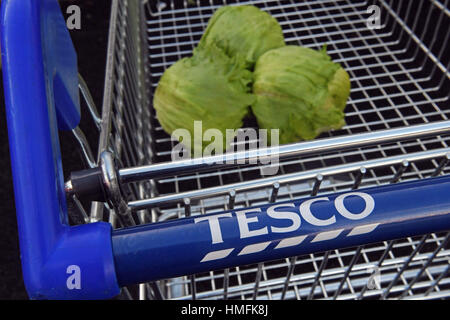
<point>272,199</point>
<point>437,280</point>
<point>283,179</point>
<point>404,266</point>
<point>319,273</point>
<point>257,280</point>
<point>442,165</point>
<point>385,151</point>
<point>232,199</point>
<point>110,66</point>
<point>84,146</point>
<point>274,192</point>
<point>80,208</point>
<point>317,182</point>
<point>187,207</point>
<point>288,276</point>
<point>105,128</point>
<point>347,272</point>
<point>142,291</point>
<point>226,283</point>
<point>160,170</point>
<point>156,290</point>
<point>193,286</point>
<point>400,171</point>
<point>417,40</point>
<point>359,176</point>
<point>89,101</point>
<point>379,264</point>
<point>425,266</point>
<point>273,6</point>
<point>226,275</point>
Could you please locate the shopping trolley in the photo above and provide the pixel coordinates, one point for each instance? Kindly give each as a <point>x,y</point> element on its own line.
<point>361,212</point>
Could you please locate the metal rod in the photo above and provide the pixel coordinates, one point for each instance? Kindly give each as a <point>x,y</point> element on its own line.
<point>359,176</point>
<point>157,171</point>
<point>437,280</point>
<point>272,199</point>
<point>257,280</point>
<point>425,267</point>
<point>442,165</point>
<point>282,179</point>
<point>380,262</point>
<point>226,272</point>
<point>193,287</point>
<point>404,266</point>
<point>232,199</point>
<point>142,291</point>
<point>80,208</point>
<point>347,272</point>
<point>86,94</point>
<point>107,105</point>
<point>85,148</point>
<point>187,207</point>
<point>156,291</point>
<point>226,283</point>
<point>323,264</point>
<point>274,192</point>
<point>400,171</point>
<point>317,183</point>
<point>288,276</point>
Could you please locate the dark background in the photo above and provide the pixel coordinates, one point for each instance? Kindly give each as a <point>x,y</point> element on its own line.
<point>90,43</point>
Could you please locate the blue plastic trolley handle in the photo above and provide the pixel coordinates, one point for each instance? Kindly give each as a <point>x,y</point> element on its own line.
<point>91,261</point>
<point>274,231</point>
<point>41,96</point>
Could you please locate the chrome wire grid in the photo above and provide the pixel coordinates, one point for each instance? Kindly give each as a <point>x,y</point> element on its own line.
<point>400,78</point>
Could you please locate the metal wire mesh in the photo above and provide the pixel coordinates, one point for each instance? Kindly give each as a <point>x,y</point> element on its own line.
<point>399,76</point>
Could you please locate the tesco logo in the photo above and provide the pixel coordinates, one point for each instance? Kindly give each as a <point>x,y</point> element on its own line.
<point>247,225</point>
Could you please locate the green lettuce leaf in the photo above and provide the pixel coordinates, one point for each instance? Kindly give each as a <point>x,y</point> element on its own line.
<point>208,87</point>
<point>244,31</point>
<point>299,91</point>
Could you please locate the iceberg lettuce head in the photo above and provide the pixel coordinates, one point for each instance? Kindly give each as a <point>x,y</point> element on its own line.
<point>244,31</point>
<point>208,87</point>
<point>299,91</point>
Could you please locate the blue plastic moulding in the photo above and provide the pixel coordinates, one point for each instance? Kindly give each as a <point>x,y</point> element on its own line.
<point>91,261</point>
<point>40,80</point>
<point>279,230</point>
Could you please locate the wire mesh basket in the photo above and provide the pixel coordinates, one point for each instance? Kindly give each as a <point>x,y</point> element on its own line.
<point>400,78</point>
<point>395,146</point>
